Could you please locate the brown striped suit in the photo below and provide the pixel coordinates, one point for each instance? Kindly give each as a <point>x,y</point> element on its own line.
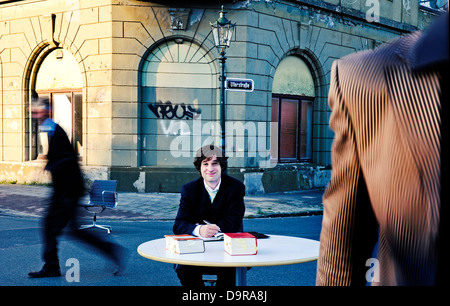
<point>386,169</point>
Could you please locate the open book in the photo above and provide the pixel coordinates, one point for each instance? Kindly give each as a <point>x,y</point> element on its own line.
<point>217,237</point>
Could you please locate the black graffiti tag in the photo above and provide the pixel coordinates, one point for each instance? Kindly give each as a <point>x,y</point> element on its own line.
<point>169,111</point>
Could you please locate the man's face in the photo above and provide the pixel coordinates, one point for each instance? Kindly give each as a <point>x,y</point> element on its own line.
<point>211,171</point>
<point>39,112</point>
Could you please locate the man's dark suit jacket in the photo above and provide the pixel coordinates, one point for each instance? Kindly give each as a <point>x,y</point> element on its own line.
<point>227,209</point>
<point>63,165</point>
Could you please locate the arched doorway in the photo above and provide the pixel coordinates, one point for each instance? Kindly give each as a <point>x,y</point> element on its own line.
<point>293,94</point>
<point>59,79</point>
<point>177,91</point>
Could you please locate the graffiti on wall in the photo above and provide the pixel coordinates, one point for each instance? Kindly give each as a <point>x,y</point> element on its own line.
<point>183,124</point>
<point>168,110</point>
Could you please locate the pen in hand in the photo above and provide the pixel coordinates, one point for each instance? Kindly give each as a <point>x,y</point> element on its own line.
<point>213,227</point>
<point>209,223</point>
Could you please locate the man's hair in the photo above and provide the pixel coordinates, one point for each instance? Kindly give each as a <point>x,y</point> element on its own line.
<point>39,103</point>
<point>207,152</point>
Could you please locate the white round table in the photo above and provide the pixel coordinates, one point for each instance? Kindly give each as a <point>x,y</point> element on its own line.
<point>274,251</point>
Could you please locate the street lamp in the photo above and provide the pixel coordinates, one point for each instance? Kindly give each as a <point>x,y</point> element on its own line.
<point>222,31</point>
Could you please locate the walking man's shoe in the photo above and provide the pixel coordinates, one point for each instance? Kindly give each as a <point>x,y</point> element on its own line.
<point>44,273</point>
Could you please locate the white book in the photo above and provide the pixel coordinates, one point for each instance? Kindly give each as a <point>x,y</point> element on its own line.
<point>184,244</point>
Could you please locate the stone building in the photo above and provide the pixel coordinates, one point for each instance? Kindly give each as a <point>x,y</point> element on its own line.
<point>136,85</point>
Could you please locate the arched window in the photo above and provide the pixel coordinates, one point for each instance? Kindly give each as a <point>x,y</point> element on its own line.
<point>292,110</point>
<point>177,84</point>
<point>59,79</point>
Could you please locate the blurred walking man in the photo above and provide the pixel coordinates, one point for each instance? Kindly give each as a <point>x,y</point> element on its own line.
<point>68,187</point>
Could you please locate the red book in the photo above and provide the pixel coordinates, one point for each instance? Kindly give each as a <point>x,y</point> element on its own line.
<point>240,244</point>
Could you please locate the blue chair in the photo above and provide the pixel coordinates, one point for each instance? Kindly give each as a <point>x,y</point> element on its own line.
<point>102,195</point>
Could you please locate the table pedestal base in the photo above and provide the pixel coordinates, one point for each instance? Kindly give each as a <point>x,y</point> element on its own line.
<point>241,276</point>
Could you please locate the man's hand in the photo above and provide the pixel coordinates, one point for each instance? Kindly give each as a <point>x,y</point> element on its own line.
<point>209,230</point>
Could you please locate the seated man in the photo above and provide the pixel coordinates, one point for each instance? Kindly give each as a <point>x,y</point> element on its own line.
<point>215,198</point>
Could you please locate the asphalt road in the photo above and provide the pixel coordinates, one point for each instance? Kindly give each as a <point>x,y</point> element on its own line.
<point>21,245</point>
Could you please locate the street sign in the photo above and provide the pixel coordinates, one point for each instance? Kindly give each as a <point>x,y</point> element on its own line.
<point>235,84</point>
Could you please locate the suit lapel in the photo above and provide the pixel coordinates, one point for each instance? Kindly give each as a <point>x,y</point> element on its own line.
<point>204,194</point>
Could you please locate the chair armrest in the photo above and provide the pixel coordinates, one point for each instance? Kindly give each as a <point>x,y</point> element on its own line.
<point>115,195</point>
<point>86,204</point>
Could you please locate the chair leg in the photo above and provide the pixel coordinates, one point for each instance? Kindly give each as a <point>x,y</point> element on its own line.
<point>95,225</point>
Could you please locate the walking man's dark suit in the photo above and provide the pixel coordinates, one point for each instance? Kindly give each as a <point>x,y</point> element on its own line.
<point>386,176</point>
<point>62,210</point>
<point>227,211</point>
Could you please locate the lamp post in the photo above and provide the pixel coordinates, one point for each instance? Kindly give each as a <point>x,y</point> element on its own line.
<point>222,31</point>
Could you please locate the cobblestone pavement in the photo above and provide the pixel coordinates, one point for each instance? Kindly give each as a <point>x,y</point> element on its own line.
<point>31,200</point>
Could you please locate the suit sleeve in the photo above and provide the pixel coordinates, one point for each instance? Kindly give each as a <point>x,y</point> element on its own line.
<point>184,224</point>
<point>347,235</point>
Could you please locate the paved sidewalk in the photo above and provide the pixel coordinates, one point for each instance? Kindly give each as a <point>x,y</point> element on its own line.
<point>28,200</point>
